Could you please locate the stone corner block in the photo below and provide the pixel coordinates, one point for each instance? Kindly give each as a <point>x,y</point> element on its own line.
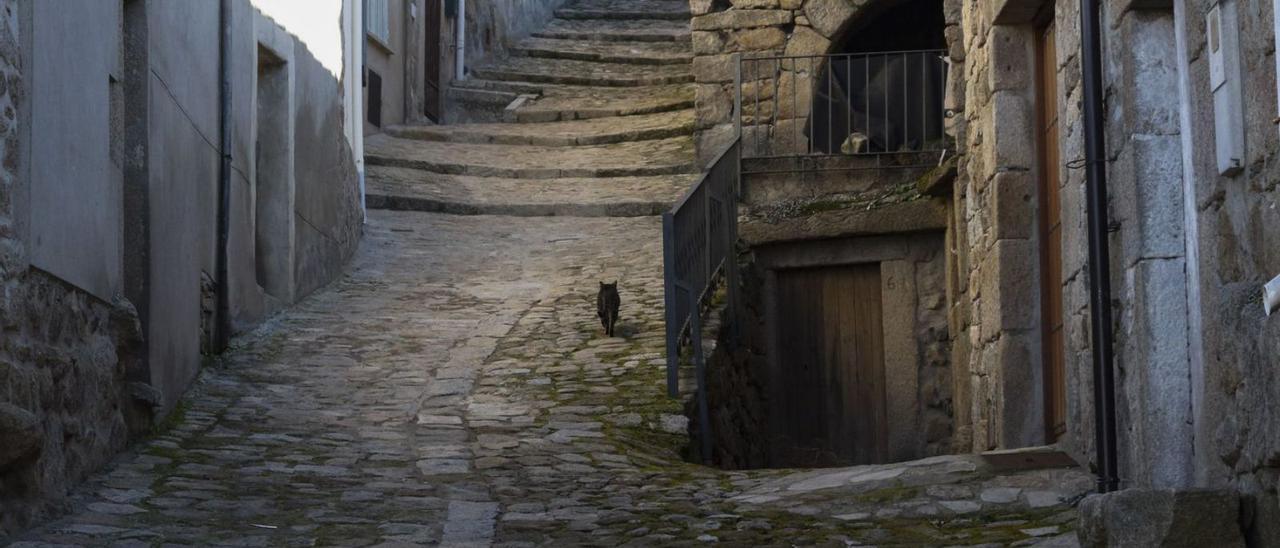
<point>1013,205</point>
<point>1009,283</point>
<point>1141,518</point>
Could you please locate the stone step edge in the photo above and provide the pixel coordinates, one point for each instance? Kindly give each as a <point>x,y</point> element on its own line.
<point>571,55</point>
<point>607,15</point>
<point>437,134</point>
<point>374,159</point>
<point>639,208</point>
<point>531,114</point>
<point>608,37</point>
<point>586,81</point>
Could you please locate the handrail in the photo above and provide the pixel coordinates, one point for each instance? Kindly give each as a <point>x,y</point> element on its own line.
<point>698,238</point>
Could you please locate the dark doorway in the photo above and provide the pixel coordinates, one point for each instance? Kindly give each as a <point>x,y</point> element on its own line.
<point>827,394</point>
<point>1051,235</point>
<point>431,59</point>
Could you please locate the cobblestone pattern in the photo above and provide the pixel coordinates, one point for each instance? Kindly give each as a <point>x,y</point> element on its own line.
<point>455,389</point>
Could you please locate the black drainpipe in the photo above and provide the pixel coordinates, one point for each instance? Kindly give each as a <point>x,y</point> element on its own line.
<point>222,331</point>
<point>1095,146</point>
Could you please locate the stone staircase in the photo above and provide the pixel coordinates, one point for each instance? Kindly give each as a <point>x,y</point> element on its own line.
<point>592,116</point>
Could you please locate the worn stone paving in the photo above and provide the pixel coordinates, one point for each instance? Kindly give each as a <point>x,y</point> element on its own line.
<point>455,388</point>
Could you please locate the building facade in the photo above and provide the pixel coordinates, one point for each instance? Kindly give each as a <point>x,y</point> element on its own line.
<point>1191,157</point>
<point>173,173</point>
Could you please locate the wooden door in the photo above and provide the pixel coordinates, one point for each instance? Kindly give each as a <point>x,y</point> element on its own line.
<point>1054,357</point>
<point>827,392</point>
<point>431,95</point>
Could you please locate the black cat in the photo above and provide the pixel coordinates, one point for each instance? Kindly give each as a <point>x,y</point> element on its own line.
<point>607,304</point>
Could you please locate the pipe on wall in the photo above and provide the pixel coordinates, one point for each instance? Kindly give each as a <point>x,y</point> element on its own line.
<point>222,329</point>
<point>1099,254</point>
<point>460,52</point>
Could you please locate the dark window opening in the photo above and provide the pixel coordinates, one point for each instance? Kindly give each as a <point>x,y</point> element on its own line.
<point>375,98</point>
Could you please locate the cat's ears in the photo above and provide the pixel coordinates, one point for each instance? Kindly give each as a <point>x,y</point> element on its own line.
<point>615,283</point>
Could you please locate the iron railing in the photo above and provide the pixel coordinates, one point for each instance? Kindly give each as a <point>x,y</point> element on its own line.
<point>851,104</point>
<point>698,237</point>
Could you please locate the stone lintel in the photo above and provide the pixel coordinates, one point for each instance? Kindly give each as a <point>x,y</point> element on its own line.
<point>899,218</point>
<point>1016,12</point>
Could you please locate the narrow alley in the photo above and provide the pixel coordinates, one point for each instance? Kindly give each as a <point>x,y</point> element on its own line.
<point>454,387</point>
<point>632,273</point>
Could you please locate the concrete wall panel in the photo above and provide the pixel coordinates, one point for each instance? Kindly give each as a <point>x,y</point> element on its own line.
<point>75,162</point>
<point>182,163</point>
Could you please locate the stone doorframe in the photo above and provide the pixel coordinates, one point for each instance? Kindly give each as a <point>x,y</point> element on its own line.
<point>1002,390</point>
<point>914,324</point>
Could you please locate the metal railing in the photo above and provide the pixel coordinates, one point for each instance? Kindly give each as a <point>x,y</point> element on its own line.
<point>850,104</point>
<point>698,237</point>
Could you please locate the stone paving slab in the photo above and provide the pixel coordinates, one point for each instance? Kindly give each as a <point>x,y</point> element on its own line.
<point>637,53</point>
<point>596,131</point>
<point>415,190</point>
<point>643,158</point>
<point>582,73</point>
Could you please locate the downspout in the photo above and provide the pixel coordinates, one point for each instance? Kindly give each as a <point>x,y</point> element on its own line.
<point>362,24</point>
<point>223,328</point>
<point>460,52</point>
<point>1099,254</point>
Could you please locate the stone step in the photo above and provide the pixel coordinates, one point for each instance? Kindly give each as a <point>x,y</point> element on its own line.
<point>635,53</point>
<point>621,15</point>
<point>582,73</point>
<point>598,131</point>
<point>476,95</point>
<point>638,159</point>
<point>636,6</point>
<point>577,103</point>
<point>648,30</point>
<point>561,103</point>
<point>415,190</point>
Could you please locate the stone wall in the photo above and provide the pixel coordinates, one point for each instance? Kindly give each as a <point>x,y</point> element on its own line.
<point>1233,223</point>
<point>63,352</point>
<point>1187,244</point>
<point>723,28</point>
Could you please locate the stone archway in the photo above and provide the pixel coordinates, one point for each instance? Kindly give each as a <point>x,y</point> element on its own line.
<point>723,29</point>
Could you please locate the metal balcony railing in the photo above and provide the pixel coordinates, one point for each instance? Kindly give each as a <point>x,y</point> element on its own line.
<point>853,104</point>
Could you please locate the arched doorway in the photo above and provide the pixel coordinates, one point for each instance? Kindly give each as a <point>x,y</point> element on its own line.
<point>881,86</point>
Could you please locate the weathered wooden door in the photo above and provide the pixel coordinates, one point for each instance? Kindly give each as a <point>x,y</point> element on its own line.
<point>431,95</point>
<point>1051,235</point>
<point>827,391</point>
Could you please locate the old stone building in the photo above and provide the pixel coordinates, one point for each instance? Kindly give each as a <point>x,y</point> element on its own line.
<point>173,173</point>
<point>1190,99</point>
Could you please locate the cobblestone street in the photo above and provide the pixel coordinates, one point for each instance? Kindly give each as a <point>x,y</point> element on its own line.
<point>454,388</point>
